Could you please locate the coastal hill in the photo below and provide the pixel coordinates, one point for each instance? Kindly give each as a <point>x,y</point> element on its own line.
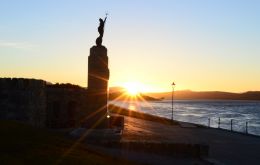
<point>217,95</point>
<point>120,93</point>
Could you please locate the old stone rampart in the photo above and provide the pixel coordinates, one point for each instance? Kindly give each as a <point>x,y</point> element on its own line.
<point>24,100</point>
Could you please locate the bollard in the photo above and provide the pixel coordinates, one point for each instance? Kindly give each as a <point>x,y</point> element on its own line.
<point>219,122</point>
<point>231,125</point>
<point>208,122</point>
<point>246,127</point>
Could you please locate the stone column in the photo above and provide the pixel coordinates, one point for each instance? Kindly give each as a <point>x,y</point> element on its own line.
<point>98,76</point>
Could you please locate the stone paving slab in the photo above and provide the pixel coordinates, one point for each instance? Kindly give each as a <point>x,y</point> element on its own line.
<point>225,147</point>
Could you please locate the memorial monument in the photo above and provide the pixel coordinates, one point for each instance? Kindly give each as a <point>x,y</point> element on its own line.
<point>98,76</point>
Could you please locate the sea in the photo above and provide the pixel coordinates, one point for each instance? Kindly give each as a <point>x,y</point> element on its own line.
<point>244,115</point>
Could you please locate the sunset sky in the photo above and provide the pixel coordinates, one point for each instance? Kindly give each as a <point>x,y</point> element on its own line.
<point>201,45</point>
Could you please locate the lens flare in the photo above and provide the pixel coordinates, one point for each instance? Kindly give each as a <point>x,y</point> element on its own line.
<point>132,88</point>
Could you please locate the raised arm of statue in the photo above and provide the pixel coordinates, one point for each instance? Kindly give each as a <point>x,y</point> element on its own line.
<point>105,20</point>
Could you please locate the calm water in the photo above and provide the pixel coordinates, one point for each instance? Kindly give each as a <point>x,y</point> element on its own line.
<point>199,111</point>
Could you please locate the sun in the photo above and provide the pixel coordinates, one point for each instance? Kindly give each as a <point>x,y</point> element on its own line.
<point>132,88</point>
<point>132,91</point>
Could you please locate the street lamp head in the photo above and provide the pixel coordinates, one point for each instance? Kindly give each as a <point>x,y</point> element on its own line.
<point>173,84</point>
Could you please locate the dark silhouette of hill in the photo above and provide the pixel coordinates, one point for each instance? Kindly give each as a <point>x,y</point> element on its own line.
<point>121,94</point>
<point>217,95</point>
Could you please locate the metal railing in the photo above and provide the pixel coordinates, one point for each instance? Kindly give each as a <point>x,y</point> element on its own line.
<point>231,125</point>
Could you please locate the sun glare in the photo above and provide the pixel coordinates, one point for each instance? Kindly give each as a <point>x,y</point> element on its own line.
<point>132,88</point>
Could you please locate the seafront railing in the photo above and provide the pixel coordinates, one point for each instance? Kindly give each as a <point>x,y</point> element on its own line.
<point>231,124</point>
<point>249,127</point>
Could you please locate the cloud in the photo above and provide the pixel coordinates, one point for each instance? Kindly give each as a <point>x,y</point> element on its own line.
<point>16,45</point>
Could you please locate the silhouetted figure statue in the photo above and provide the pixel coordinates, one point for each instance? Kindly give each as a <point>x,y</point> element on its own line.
<point>98,77</point>
<point>101,30</point>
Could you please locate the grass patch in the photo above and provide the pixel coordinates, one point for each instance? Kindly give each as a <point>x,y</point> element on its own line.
<point>23,144</point>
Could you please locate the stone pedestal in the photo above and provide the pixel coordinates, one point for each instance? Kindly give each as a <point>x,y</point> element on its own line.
<point>98,76</point>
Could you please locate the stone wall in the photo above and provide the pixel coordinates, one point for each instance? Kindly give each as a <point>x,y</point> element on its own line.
<point>24,100</point>
<point>66,105</point>
<point>45,105</point>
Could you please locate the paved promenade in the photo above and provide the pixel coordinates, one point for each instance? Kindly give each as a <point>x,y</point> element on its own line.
<point>225,147</point>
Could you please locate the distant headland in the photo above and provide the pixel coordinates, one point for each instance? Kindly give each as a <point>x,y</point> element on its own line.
<point>211,95</point>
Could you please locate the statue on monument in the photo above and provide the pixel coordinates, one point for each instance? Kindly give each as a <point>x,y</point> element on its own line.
<point>101,30</point>
<point>98,77</point>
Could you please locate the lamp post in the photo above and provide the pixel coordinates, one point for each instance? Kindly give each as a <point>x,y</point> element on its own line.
<point>173,85</point>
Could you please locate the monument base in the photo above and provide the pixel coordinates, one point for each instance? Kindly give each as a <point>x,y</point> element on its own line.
<point>98,75</point>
